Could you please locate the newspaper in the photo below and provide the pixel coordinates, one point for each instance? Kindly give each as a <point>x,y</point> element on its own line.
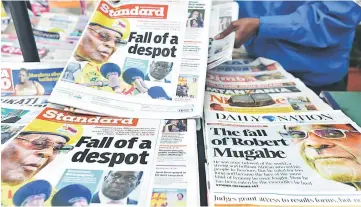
<point>274,97</point>
<point>222,16</point>
<point>156,68</point>
<point>290,164</point>
<point>101,161</point>
<point>31,101</point>
<point>29,79</point>
<point>14,118</point>
<point>235,74</point>
<point>277,118</point>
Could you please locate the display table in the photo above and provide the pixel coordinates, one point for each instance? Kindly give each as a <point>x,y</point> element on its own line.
<point>348,102</point>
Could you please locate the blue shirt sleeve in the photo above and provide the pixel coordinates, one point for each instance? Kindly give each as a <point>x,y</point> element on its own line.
<point>316,24</point>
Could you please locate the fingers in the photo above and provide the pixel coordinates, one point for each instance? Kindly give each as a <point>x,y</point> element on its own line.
<point>226,32</point>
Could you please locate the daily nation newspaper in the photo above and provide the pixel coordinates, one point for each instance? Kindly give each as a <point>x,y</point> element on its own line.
<point>64,159</point>
<point>219,51</point>
<point>14,118</point>
<point>29,79</point>
<point>275,97</point>
<point>140,59</point>
<point>315,163</point>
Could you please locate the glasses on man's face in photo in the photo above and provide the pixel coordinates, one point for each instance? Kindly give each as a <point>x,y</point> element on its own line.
<point>43,142</point>
<point>106,37</point>
<point>329,133</point>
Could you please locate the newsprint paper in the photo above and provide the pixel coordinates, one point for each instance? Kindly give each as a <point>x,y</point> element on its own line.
<point>291,164</point>
<point>144,59</point>
<point>64,159</point>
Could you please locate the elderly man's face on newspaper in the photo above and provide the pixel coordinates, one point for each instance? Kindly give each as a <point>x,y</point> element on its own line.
<point>334,151</point>
<point>119,184</point>
<point>98,44</point>
<point>159,70</point>
<point>26,155</point>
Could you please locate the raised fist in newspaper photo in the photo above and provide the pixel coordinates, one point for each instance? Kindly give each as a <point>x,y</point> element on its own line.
<point>135,77</point>
<point>245,28</point>
<point>333,151</point>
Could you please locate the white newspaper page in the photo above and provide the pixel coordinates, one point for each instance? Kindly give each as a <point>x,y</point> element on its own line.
<point>75,160</point>
<point>175,173</point>
<point>222,16</point>
<point>274,97</point>
<point>308,164</point>
<point>139,59</point>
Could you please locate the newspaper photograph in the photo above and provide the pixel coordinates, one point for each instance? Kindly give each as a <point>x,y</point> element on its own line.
<point>92,160</point>
<point>29,79</point>
<point>219,51</point>
<point>304,164</point>
<point>131,57</point>
<point>14,118</point>
<point>32,101</point>
<point>276,97</point>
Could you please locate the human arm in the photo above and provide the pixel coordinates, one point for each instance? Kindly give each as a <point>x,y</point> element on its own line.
<point>39,89</point>
<point>314,24</point>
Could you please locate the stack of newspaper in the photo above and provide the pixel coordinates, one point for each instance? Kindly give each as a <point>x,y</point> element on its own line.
<point>115,124</point>
<point>136,59</point>
<point>271,141</point>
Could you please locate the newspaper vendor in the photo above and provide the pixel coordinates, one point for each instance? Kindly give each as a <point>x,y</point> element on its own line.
<point>310,39</point>
<point>99,42</point>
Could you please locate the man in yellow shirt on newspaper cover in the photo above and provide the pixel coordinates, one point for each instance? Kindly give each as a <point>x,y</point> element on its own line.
<point>100,41</point>
<point>32,150</point>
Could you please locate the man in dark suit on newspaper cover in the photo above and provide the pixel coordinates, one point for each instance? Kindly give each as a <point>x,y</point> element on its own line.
<point>158,71</point>
<point>117,186</point>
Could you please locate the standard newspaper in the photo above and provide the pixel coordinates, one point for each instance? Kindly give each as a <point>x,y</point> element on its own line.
<point>219,51</point>
<point>67,159</point>
<point>29,79</point>
<point>274,97</point>
<point>139,59</point>
<point>315,163</point>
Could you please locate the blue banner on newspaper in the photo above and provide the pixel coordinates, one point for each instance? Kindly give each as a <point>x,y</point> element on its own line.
<point>30,81</point>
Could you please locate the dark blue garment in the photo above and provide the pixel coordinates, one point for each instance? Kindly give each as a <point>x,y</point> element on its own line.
<point>311,39</point>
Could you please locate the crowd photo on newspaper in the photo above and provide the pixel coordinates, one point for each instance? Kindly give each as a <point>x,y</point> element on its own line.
<point>141,103</point>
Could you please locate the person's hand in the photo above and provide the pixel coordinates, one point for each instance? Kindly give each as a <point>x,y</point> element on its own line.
<point>245,28</point>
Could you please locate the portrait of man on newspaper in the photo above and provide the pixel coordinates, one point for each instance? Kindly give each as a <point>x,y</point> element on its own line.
<point>333,151</point>
<point>89,66</point>
<point>34,148</point>
<point>117,187</point>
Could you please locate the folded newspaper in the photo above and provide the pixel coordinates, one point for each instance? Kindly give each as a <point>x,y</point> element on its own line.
<point>29,79</point>
<point>219,51</point>
<point>139,59</point>
<point>313,163</point>
<point>65,159</point>
<point>274,97</point>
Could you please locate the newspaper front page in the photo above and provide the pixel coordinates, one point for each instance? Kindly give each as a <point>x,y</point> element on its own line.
<point>29,79</point>
<point>139,59</point>
<point>68,159</point>
<point>289,164</point>
<point>274,97</point>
